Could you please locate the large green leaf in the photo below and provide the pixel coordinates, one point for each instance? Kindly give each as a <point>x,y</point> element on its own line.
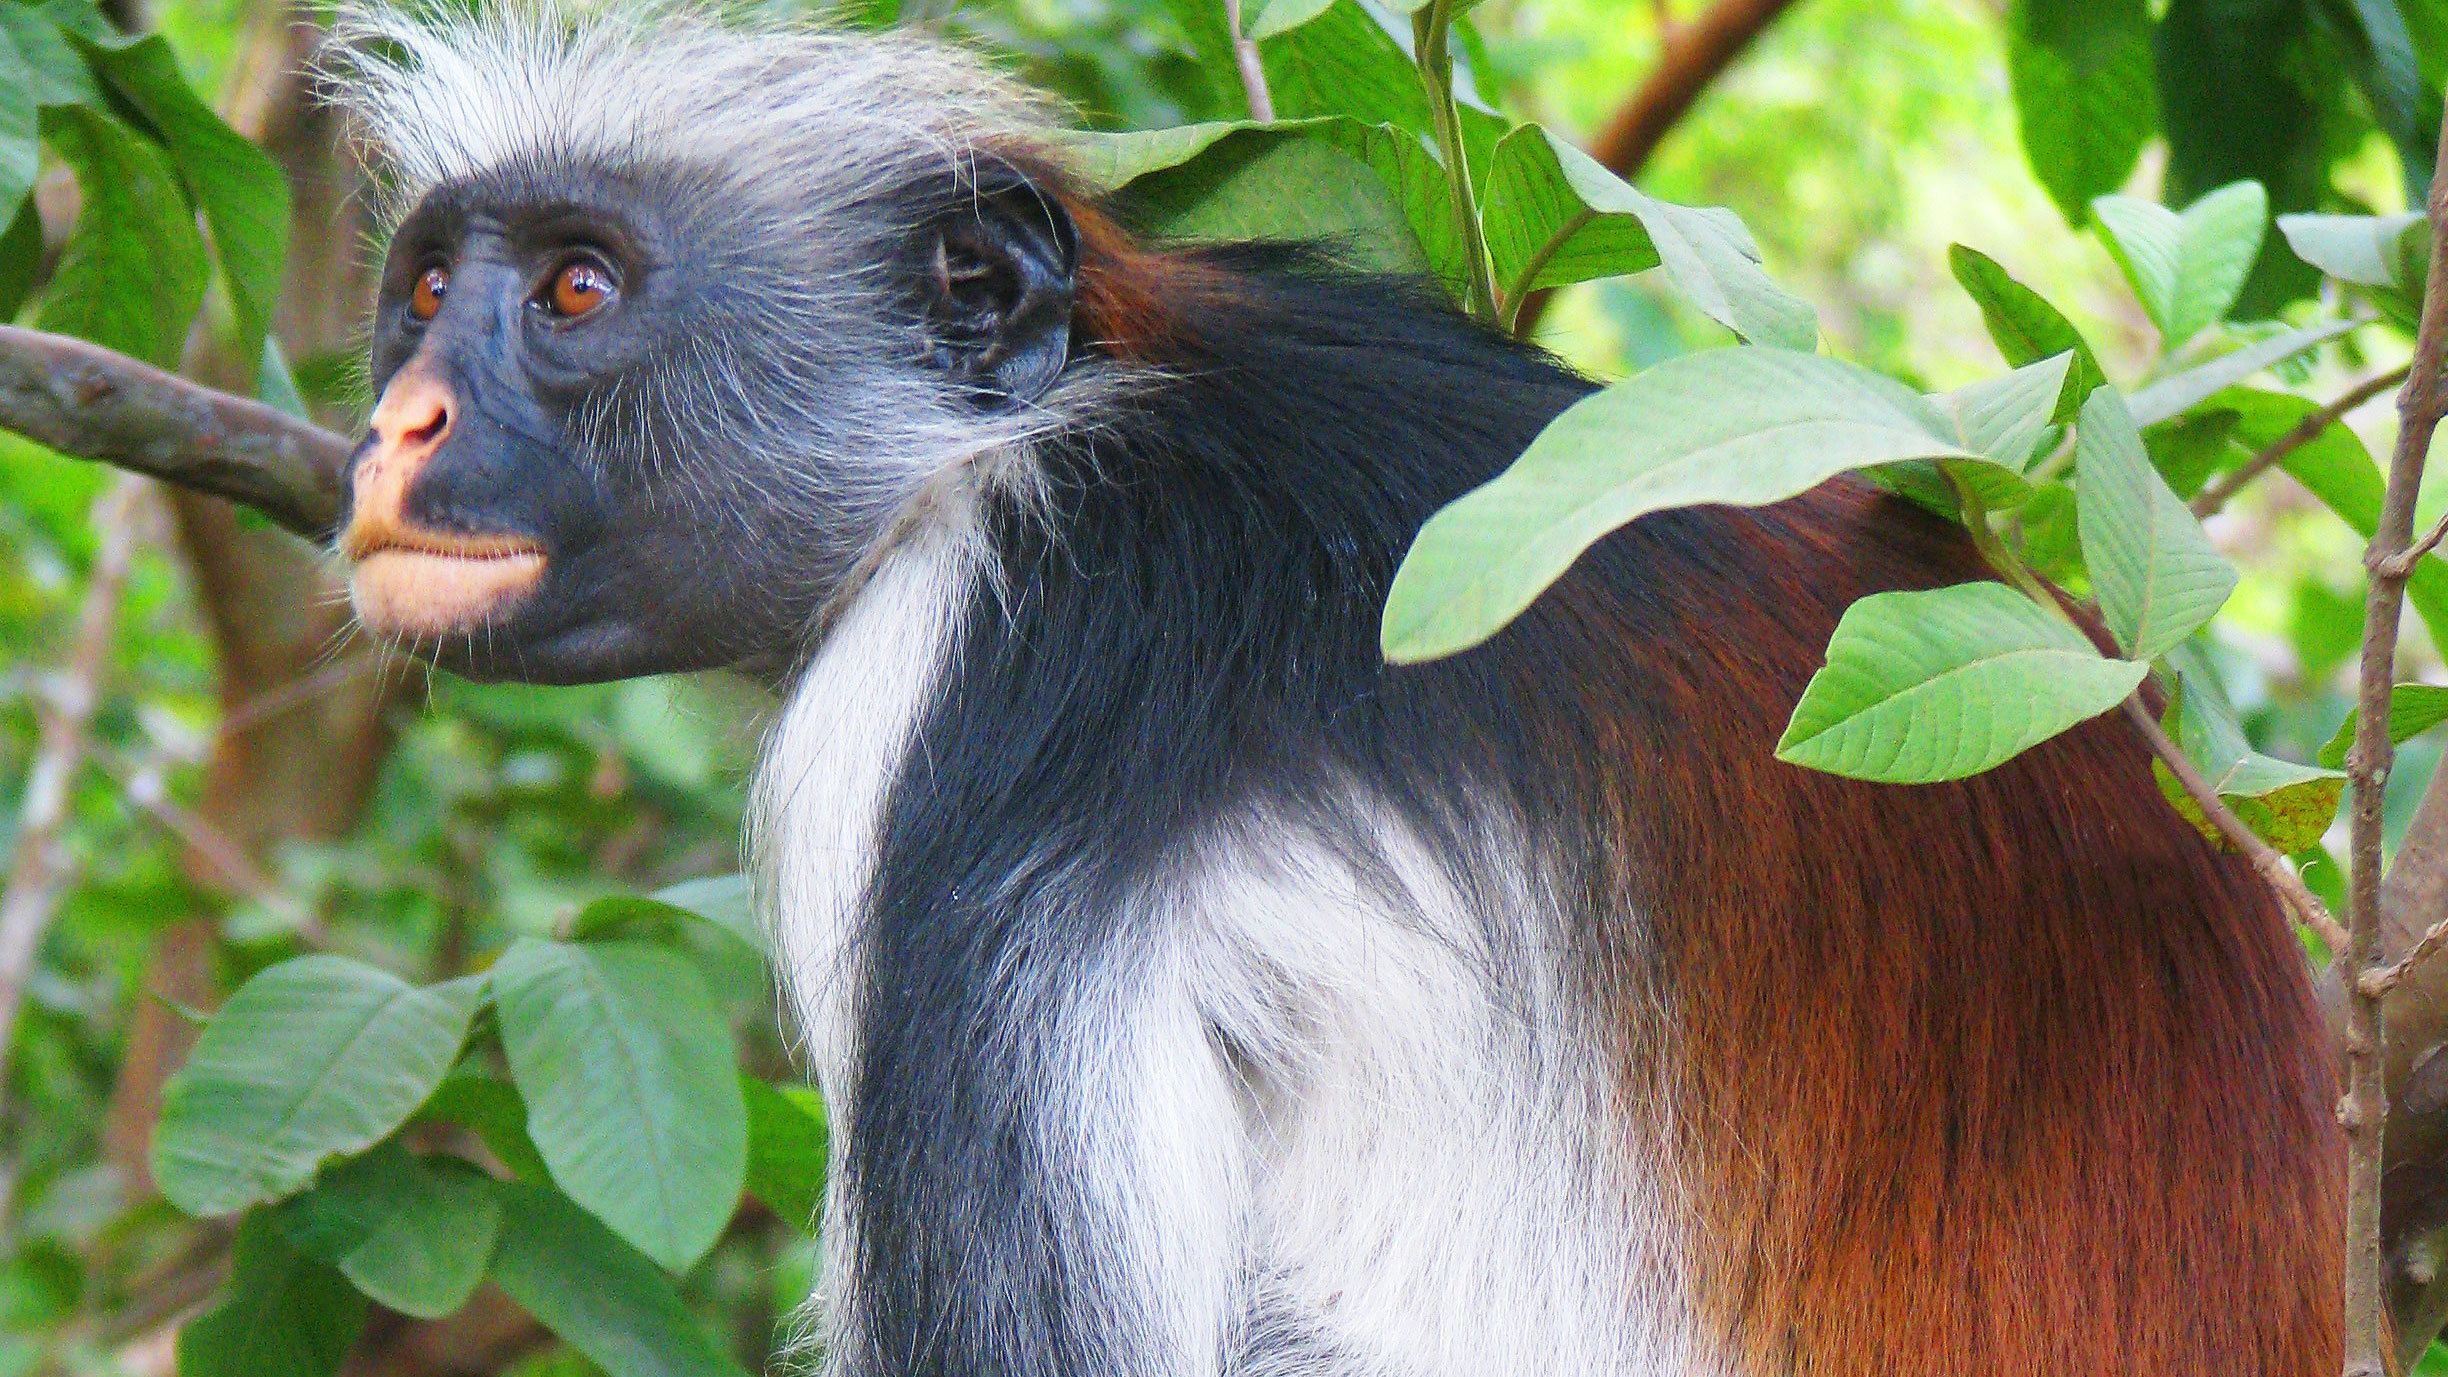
<point>1343,62</point>
<point>2081,73</point>
<point>2187,269</point>
<point>1335,181</point>
<point>602,1296</point>
<point>2025,326</point>
<point>284,1314</point>
<point>244,196</point>
<point>133,273</point>
<point>626,1067</point>
<point>1946,683</point>
<point>1555,216</point>
<point>2285,804</point>
<point>58,75</point>
<point>2157,577</point>
<point>1267,18</point>
<point>312,1059</point>
<point>787,1145</point>
<point>1743,426</point>
<point>2004,418</point>
<point>2413,710</point>
<point>412,1233</point>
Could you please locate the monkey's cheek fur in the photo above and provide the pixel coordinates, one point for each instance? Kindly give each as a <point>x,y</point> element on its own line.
<point>414,593</point>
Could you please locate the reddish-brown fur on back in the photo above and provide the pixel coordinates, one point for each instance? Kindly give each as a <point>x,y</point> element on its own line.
<point>2012,1074</point>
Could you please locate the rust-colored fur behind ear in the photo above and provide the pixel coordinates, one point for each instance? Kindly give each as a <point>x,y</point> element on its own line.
<point>2012,1074</point>
<point>1132,300</point>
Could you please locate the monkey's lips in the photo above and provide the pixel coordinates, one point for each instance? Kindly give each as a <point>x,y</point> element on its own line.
<point>411,584</point>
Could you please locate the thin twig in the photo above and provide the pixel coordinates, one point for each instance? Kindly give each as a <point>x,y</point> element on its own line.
<point>2378,983</point>
<point>2304,432</point>
<point>2309,910</point>
<point>1253,72</point>
<point>2364,1111</point>
<point>2402,564</point>
<point>38,875</point>
<point>88,402</point>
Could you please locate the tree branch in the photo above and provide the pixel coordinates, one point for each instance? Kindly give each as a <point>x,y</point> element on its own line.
<point>2305,431</point>
<point>88,402</point>
<point>1691,54</point>
<point>2364,1111</point>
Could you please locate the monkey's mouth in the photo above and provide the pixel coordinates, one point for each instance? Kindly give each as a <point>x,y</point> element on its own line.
<point>409,583</point>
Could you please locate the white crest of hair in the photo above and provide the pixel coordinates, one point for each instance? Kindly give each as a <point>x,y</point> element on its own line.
<point>443,94</point>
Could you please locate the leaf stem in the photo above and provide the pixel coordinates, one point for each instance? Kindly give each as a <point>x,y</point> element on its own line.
<point>1431,30</point>
<point>1245,60</point>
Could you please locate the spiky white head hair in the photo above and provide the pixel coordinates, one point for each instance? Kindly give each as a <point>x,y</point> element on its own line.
<point>441,95</point>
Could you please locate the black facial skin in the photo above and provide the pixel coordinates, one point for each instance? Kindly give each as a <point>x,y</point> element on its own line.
<point>661,551</point>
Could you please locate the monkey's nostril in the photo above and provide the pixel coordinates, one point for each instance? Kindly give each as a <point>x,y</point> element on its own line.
<point>432,431</point>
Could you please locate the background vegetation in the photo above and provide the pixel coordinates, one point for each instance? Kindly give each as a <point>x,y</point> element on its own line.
<point>207,784</point>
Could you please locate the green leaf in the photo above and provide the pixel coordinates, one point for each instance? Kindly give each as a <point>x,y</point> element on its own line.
<point>132,275</point>
<point>1744,426</point>
<point>2246,92</point>
<point>787,1143</point>
<point>2186,269</point>
<point>1554,216</point>
<point>1343,62</point>
<point>275,385</point>
<point>2005,417</point>
<point>2387,251</point>
<point>2286,804</point>
<point>2026,327</point>
<point>57,75</point>
<point>2175,395</point>
<point>312,1059</point>
<point>492,1109</point>
<point>414,1234</point>
<point>20,129</point>
<point>626,1067</point>
<point>1332,181</point>
<point>722,900</point>
<point>2081,75</point>
<point>2336,469</point>
<point>2157,577</point>
<point>244,196</point>
<point>21,255</point>
<point>2413,710</point>
<point>284,1314</point>
<point>1267,18</point>
<point>1925,686</point>
<point>602,1297</point>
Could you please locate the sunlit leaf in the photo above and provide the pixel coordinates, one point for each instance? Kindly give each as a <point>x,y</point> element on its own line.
<point>1743,426</point>
<point>2413,710</point>
<point>2157,576</point>
<point>2083,94</point>
<point>2175,395</point>
<point>2186,268</point>
<point>2025,326</point>
<point>2285,804</point>
<point>1925,686</point>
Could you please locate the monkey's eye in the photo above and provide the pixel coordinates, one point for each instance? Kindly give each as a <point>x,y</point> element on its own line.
<point>579,287</point>
<point>425,298</point>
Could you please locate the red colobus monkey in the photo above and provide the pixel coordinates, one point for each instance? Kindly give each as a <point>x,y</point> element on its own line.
<point>1197,994</point>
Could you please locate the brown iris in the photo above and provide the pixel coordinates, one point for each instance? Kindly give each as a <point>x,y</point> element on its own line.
<point>579,287</point>
<point>425,298</point>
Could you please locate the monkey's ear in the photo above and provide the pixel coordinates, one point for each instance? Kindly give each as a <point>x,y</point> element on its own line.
<point>996,279</point>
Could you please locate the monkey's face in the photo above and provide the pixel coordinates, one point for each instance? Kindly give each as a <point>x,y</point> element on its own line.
<point>636,420</point>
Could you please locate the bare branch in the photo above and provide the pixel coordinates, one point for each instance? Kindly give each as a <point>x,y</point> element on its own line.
<point>86,401</point>
<point>38,874</point>
<point>1691,54</point>
<point>2309,910</point>
<point>2365,1109</point>
<point>2217,495</point>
